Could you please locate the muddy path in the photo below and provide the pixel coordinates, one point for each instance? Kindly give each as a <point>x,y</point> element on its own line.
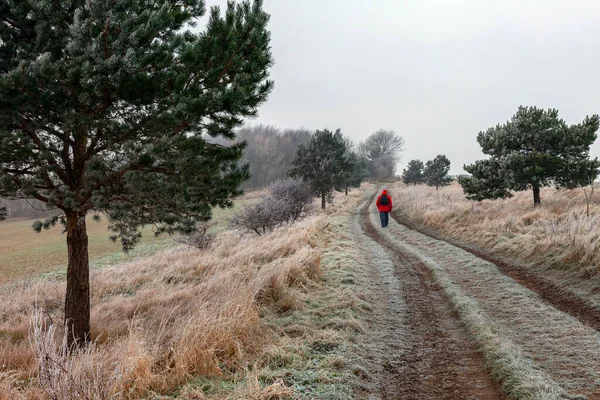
<point>560,298</point>
<point>563,349</point>
<point>427,351</point>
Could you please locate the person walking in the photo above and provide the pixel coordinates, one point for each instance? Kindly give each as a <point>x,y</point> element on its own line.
<point>384,205</point>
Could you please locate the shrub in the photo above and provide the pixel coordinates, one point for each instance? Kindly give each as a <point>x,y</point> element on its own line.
<point>297,195</point>
<point>287,200</point>
<point>201,239</point>
<point>261,217</point>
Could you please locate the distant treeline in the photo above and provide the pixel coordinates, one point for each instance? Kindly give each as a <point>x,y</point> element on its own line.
<point>25,208</point>
<point>270,152</point>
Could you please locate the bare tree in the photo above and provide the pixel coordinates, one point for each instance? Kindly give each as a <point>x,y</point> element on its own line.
<point>383,151</point>
<point>350,144</point>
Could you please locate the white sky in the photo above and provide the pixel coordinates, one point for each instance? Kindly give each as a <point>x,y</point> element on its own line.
<point>436,72</point>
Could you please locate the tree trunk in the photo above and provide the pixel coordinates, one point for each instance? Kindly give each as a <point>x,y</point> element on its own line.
<point>536,196</point>
<point>346,191</point>
<point>323,200</point>
<point>77,302</point>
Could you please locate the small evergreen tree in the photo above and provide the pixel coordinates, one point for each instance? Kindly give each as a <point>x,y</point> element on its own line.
<point>534,149</point>
<point>107,105</point>
<point>413,173</point>
<point>487,181</point>
<point>322,163</point>
<point>436,171</point>
<point>356,172</point>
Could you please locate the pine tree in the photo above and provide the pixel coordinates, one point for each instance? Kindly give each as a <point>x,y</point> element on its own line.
<point>534,149</point>
<point>322,162</point>
<point>107,106</point>
<point>356,172</point>
<point>413,173</point>
<point>436,171</point>
<point>357,166</point>
<point>487,181</point>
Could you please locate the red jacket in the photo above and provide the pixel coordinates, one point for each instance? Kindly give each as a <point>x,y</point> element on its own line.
<point>384,208</point>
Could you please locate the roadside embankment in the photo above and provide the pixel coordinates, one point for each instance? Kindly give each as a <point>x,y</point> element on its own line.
<point>553,249</point>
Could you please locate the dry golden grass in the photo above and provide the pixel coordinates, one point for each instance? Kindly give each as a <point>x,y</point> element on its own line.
<point>163,319</point>
<point>556,237</point>
<point>160,321</point>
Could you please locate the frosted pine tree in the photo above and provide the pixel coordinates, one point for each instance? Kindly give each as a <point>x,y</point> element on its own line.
<point>107,105</point>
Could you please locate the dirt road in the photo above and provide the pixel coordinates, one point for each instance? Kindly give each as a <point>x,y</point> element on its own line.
<point>448,321</point>
<point>426,352</point>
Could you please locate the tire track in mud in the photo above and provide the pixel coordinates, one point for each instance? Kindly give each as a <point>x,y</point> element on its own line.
<point>388,323</point>
<point>558,297</point>
<point>432,358</point>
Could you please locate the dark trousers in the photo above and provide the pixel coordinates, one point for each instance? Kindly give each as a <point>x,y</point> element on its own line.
<point>385,217</point>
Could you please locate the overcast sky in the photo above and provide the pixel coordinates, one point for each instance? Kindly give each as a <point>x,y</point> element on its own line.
<point>436,72</point>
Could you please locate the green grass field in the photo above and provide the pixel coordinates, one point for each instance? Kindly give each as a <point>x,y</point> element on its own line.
<point>25,253</point>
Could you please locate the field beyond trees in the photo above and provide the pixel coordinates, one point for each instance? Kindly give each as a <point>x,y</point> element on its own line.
<point>27,254</point>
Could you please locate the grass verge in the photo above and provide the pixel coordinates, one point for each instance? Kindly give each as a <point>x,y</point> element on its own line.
<point>316,339</point>
<point>270,317</point>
